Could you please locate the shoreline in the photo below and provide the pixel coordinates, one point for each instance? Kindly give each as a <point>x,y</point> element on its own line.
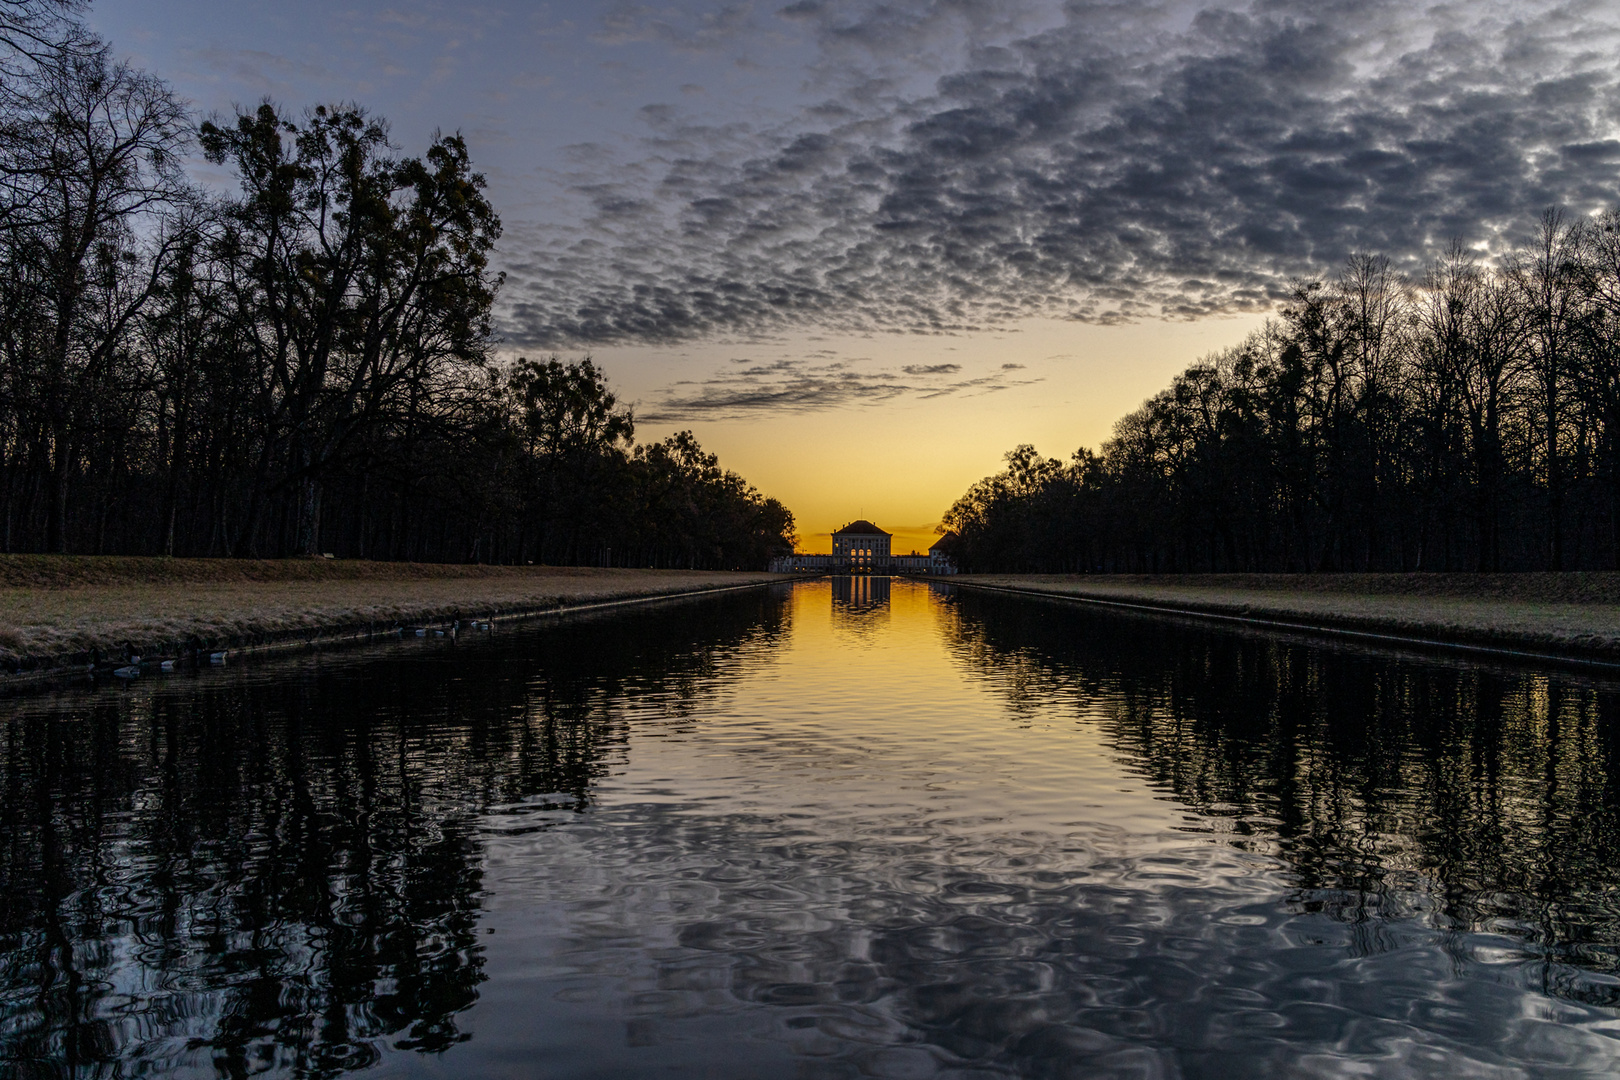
<point>1565,618</point>
<point>69,617</point>
<point>72,617</point>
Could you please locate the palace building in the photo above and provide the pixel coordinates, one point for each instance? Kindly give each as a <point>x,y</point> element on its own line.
<point>861,547</point>
<point>862,544</point>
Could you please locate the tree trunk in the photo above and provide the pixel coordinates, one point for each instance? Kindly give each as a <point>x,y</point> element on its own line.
<point>57,497</point>
<point>308,539</point>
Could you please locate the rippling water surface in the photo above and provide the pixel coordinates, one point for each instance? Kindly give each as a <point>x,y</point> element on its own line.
<point>842,828</point>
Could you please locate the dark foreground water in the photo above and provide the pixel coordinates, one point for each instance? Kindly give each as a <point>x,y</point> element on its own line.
<point>838,829</point>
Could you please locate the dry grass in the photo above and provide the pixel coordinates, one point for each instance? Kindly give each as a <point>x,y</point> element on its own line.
<point>1577,613</point>
<point>1602,587</point>
<point>62,609</point>
<point>73,571</point>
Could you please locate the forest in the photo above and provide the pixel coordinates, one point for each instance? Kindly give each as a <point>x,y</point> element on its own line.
<point>305,365</point>
<point>1467,419</point>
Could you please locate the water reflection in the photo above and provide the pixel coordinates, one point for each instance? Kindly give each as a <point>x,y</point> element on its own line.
<point>860,603</point>
<point>280,870</point>
<point>927,882</point>
<point>861,593</point>
<point>1466,797</point>
<point>1000,838</point>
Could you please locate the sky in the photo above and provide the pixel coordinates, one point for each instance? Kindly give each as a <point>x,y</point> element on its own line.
<point>862,248</point>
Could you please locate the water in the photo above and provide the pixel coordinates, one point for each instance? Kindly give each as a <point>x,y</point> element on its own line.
<point>835,829</point>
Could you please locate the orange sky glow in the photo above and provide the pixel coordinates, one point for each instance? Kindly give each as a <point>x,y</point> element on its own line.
<point>902,462</point>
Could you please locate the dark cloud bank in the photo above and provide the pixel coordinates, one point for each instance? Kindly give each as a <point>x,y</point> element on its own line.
<point>820,383</point>
<point>1170,160</point>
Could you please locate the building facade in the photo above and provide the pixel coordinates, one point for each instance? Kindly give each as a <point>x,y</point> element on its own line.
<point>861,547</point>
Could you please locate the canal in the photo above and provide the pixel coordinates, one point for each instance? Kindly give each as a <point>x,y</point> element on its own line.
<point>842,828</point>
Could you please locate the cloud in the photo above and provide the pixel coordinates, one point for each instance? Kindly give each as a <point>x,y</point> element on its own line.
<point>344,54</point>
<point>1170,160</point>
<point>265,72</point>
<point>794,385</point>
<point>688,31</point>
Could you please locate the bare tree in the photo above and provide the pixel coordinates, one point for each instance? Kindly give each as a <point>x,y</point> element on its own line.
<point>1598,372</point>
<point>95,161</point>
<point>36,31</point>
<point>1374,310</point>
<point>1548,276</point>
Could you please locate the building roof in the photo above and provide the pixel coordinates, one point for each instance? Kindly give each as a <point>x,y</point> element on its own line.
<point>946,543</point>
<point>861,527</point>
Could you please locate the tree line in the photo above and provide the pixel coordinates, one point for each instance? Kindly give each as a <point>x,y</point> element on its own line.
<point>304,366</point>
<point>1467,420</point>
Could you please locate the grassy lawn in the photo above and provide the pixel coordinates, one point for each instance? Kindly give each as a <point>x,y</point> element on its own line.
<point>1572,612</point>
<point>53,608</point>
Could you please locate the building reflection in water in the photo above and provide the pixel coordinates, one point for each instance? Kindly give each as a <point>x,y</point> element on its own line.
<point>860,593</point>
<point>860,603</point>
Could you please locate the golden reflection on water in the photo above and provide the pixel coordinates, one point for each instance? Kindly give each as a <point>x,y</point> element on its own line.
<point>862,605</point>
<point>867,714</point>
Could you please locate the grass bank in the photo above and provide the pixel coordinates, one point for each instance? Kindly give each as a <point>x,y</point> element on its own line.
<point>64,612</point>
<point>1573,615</point>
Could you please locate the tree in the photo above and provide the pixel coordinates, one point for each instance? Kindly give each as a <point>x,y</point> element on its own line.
<point>574,435</point>
<point>93,162</point>
<point>1470,420</point>
<point>305,365</point>
<point>360,283</point>
<point>1597,373</point>
<point>1548,277</point>
<point>34,32</point>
